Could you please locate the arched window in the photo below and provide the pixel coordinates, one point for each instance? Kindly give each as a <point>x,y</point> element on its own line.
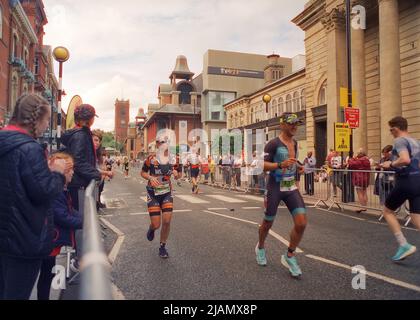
<point>288,103</point>
<point>14,46</point>
<point>302,100</point>
<point>185,88</point>
<point>296,102</point>
<point>281,106</point>
<point>322,96</point>
<point>25,57</point>
<point>274,109</point>
<point>1,23</point>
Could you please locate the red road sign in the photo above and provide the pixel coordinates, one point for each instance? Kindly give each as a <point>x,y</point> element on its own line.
<point>352,117</point>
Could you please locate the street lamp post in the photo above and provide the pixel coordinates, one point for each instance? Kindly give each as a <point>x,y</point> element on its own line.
<point>61,55</point>
<point>266,99</point>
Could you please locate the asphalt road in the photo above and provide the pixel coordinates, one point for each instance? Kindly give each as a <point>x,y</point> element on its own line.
<point>212,257</point>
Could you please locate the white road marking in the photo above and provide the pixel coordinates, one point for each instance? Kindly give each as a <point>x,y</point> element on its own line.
<point>271,232</point>
<point>396,282</point>
<point>191,199</point>
<point>118,243</point>
<point>341,214</point>
<point>282,240</point>
<point>251,208</point>
<point>249,197</point>
<point>225,199</point>
<point>146,213</point>
<point>217,209</point>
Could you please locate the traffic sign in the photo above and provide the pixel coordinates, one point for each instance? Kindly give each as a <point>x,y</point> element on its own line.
<point>352,116</point>
<point>342,137</point>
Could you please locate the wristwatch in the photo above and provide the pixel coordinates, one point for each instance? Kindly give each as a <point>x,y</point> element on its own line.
<point>279,165</point>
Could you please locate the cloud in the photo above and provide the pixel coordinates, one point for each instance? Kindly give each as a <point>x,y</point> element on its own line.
<point>127,48</point>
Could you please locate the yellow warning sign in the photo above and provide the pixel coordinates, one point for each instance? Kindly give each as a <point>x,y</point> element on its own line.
<point>342,137</point>
<point>344,98</point>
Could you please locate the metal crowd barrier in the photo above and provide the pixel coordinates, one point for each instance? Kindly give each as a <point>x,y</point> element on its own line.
<point>364,189</point>
<point>94,266</point>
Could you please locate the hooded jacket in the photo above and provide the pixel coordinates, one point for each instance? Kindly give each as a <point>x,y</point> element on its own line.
<point>79,144</point>
<point>66,221</point>
<point>27,190</point>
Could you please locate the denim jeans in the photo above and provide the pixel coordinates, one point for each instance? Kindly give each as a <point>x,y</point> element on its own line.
<point>17,277</point>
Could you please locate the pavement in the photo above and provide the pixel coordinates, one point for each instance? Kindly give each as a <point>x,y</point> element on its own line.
<point>212,241</point>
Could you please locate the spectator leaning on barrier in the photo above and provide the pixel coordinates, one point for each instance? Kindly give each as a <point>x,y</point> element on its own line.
<point>335,164</point>
<point>384,182</point>
<point>309,167</point>
<point>29,185</point>
<point>79,144</point>
<point>360,180</point>
<point>66,221</point>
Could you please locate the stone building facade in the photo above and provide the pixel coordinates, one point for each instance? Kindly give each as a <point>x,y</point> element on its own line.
<point>385,70</point>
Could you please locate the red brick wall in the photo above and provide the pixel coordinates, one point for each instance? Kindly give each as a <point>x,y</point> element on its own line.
<point>122,113</point>
<point>4,58</point>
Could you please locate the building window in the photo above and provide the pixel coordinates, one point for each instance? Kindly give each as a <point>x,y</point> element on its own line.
<point>252,115</point>
<point>25,57</point>
<point>14,46</point>
<point>186,89</point>
<point>296,102</point>
<point>281,106</point>
<point>274,110</point>
<point>302,100</point>
<point>215,102</point>
<point>1,23</point>
<point>322,96</point>
<point>241,118</point>
<point>36,66</point>
<point>288,103</point>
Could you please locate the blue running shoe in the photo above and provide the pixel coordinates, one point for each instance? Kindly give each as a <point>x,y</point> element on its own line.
<point>292,265</point>
<point>260,254</point>
<point>150,234</point>
<point>163,253</point>
<point>404,251</point>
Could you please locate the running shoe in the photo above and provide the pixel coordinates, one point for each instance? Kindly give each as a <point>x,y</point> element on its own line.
<point>291,264</point>
<point>150,234</point>
<point>260,254</point>
<point>163,253</point>
<point>74,265</point>
<point>404,251</point>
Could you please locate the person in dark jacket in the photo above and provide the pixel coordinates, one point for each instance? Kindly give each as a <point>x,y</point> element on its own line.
<point>66,221</point>
<point>29,185</point>
<point>79,144</point>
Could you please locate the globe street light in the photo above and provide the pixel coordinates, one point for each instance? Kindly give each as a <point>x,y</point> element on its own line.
<point>266,99</point>
<point>61,55</point>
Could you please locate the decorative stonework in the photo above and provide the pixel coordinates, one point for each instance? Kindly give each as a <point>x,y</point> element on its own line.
<point>335,19</point>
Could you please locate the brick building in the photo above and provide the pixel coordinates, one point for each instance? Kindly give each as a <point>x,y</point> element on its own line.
<point>122,119</point>
<point>178,108</point>
<point>26,64</point>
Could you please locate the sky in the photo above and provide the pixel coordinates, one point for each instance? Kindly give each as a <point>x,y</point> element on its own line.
<point>124,49</point>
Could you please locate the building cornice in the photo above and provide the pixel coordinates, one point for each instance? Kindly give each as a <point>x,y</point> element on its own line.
<point>267,88</point>
<point>310,15</point>
<point>19,13</point>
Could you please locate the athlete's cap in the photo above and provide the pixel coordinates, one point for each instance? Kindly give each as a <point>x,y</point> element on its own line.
<point>84,112</point>
<point>290,118</point>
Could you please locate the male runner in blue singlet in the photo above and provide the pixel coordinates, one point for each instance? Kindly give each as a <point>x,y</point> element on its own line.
<point>281,160</point>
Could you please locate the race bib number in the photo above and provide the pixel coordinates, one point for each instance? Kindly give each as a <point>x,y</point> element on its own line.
<point>162,189</point>
<point>288,184</point>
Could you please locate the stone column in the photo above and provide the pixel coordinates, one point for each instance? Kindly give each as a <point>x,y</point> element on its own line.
<point>390,71</point>
<point>334,24</point>
<point>359,86</point>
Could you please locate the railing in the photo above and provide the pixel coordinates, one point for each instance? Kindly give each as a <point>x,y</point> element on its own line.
<point>94,267</point>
